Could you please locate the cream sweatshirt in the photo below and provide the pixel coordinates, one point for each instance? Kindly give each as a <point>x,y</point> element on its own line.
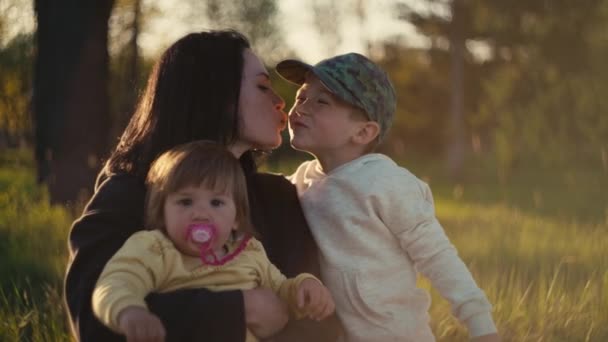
<point>375,225</point>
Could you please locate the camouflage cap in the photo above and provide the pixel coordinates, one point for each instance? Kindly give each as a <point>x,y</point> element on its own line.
<point>353,78</point>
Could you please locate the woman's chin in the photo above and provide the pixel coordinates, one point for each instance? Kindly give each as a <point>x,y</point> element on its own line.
<point>269,145</point>
<point>277,141</point>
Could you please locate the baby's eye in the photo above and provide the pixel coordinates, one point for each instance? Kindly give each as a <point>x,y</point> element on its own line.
<point>184,202</point>
<point>217,202</point>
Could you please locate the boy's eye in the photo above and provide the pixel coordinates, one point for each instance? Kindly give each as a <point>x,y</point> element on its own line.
<point>184,202</point>
<point>217,202</point>
<point>322,101</point>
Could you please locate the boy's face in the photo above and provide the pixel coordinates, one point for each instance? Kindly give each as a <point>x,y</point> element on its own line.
<point>319,122</point>
<point>197,205</point>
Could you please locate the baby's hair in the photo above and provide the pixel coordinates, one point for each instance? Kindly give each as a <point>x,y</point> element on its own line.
<point>199,163</point>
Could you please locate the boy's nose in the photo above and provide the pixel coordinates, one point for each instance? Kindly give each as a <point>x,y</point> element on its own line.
<point>298,109</point>
<point>293,113</point>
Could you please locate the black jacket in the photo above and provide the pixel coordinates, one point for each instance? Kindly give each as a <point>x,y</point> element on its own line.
<point>116,211</point>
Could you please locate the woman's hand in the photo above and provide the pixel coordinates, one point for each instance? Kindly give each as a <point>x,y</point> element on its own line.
<point>315,300</point>
<point>265,312</point>
<point>140,325</point>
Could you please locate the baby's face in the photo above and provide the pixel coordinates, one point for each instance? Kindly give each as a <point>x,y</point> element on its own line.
<point>199,205</point>
<point>319,122</point>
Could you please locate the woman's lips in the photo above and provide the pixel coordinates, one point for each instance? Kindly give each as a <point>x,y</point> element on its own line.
<point>283,122</point>
<point>282,125</point>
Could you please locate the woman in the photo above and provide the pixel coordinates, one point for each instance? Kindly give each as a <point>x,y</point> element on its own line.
<point>206,86</point>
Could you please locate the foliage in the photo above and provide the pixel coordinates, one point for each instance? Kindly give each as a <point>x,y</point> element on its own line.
<point>32,232</point>
<point>534,78</point>
<point>574,192</point>
<point>256,19</point>
<point>16,61</point>
<point>33,255</point>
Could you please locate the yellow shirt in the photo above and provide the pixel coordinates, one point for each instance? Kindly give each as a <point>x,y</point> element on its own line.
<point>149,262</point>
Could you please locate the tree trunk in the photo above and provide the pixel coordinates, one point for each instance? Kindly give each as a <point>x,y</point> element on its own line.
<point>71,110</point>
<point>129,77</point>
<point>456,145</point>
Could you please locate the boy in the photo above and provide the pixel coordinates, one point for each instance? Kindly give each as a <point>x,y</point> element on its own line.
<point>374,221</point>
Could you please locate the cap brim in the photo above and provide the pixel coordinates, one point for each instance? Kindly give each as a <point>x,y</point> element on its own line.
<point>293,71</point>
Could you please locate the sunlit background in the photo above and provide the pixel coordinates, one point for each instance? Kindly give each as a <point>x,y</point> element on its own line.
<point>502,109</point>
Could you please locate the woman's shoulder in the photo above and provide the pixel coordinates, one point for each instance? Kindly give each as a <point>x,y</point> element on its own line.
<point>118,181</point>
<point>262,181</point>
<point>118,191</point>
<point>271,178</point>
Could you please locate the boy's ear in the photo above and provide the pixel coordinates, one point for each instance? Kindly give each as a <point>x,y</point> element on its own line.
<point>368,131</point>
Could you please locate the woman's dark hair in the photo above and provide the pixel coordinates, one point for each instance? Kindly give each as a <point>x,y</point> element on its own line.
<point>192,94</point>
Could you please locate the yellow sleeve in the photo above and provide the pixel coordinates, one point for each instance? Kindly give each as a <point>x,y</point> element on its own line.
<point>286,289</point>
<point>133,272</point>
<point>288,292</point>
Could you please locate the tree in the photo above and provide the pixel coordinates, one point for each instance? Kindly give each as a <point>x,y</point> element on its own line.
<point>452,29</point>
<point>126,62</point>
<point>326,18</point>
<point>535,92</point>
<point>70,98</point>
<point>254,18</point>
<point>16,60</point>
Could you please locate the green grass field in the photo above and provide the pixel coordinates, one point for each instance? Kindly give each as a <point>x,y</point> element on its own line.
<point>536,245</point>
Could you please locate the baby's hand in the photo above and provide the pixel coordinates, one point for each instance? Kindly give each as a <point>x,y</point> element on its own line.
<point>138,324</point>
<point>315,299</point>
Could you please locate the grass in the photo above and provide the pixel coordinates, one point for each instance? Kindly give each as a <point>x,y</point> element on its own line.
<point>33,255</point>
<point>548,280</point>
<point>542,262</point>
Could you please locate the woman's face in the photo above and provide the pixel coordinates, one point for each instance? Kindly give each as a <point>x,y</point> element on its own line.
<point>260,109</point>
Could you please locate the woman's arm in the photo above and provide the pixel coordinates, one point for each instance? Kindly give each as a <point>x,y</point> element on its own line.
<point>265,312</point>
<point>278,217</point>
<point>113,214</point>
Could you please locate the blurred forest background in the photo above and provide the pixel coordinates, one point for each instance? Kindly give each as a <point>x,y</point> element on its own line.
<point>501,110</point>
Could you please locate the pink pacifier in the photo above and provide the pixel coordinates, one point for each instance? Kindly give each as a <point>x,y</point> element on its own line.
<point>204,235</point>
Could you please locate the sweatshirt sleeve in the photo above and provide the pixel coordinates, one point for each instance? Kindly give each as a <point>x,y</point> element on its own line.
<point>131,274</point>
<point>113,214</point>
<point>406,206</point>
